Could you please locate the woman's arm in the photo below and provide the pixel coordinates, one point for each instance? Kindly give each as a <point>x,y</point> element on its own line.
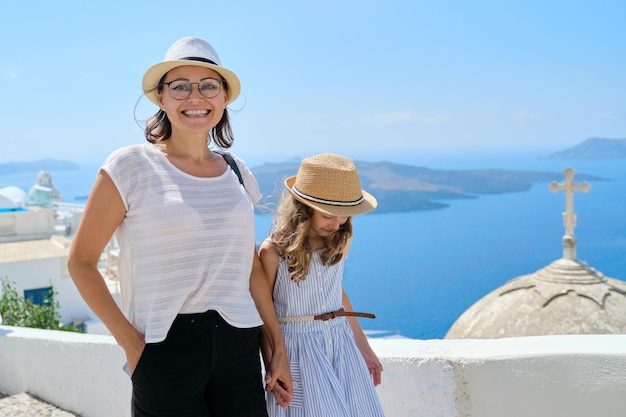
<point>278,376</point>
<point>269,261</point>
<point>104,211</point>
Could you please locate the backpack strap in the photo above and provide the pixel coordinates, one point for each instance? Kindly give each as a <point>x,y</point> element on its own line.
<point>233,165</point>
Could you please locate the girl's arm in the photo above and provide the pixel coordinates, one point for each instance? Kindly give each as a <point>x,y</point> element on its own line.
<point>104,211</point>
<point>373,364</point>
<point>278,375</point>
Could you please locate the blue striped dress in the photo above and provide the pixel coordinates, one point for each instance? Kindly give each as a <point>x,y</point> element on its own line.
<point>330,377</point>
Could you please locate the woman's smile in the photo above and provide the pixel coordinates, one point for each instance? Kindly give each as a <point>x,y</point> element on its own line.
<point>196,112</point>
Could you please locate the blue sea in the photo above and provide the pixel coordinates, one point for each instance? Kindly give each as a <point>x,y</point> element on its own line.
<point>419,271</point>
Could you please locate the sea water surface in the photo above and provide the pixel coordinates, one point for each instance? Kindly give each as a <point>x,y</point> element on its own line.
<point>419,271</point>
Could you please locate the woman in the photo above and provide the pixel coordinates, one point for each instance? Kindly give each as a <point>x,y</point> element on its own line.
<point>194,295</point>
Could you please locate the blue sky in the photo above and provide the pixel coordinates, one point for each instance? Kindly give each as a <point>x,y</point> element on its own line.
<point>369,79</point>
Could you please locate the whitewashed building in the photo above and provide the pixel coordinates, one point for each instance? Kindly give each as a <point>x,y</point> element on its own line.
<point>35,232</point>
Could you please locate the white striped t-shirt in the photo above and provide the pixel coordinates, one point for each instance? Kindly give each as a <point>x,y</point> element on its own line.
<point>186,243</point>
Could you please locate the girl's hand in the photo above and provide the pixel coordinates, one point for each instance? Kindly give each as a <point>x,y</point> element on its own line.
<point>372,362</point>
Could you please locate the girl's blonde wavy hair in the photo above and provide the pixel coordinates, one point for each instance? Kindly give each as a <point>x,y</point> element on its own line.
<point>290,236</point>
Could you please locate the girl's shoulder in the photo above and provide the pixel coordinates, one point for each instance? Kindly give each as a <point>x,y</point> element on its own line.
<point>268,245</point>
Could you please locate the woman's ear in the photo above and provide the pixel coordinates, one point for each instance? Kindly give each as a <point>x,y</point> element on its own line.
<point>160,100</point>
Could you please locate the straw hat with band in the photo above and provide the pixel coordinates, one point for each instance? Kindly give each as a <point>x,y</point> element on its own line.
<point>189,51</point>
<point>330,183</point>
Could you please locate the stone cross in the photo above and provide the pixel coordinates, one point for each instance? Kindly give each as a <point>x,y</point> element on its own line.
<point>569,217</point>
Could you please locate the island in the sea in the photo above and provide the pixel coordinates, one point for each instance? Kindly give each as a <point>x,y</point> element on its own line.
<point>35,166</point>
<point>402,188</point>
<point>594,148</point>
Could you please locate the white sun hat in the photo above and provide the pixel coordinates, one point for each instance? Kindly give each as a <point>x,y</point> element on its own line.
<point>189,51</point>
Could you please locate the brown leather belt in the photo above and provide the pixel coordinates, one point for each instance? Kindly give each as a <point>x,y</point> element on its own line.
<point>342,313</point>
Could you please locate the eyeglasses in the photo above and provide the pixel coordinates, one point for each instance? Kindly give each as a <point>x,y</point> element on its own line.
<point>181,89</point>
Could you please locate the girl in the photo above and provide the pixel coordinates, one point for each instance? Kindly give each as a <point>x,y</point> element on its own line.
<point>303,258</point>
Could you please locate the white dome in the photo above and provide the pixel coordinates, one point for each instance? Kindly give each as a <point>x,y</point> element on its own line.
<point>12,197</point>
<point>566,297</point>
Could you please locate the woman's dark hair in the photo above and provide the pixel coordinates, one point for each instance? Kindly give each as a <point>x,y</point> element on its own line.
<point>159,127</point>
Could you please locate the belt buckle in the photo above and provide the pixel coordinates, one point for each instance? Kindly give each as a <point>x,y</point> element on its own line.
<point>326,316</point>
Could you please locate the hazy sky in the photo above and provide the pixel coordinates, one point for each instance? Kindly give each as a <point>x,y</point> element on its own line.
<point>369,79</point>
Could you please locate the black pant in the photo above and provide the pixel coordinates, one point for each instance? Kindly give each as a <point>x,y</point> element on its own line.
<point>205,367</point>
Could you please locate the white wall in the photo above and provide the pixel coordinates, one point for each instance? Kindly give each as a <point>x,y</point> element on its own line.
<point>37,221</point>
<point>76,372</point>
<point>34,223</point>
<point>547,376</point>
